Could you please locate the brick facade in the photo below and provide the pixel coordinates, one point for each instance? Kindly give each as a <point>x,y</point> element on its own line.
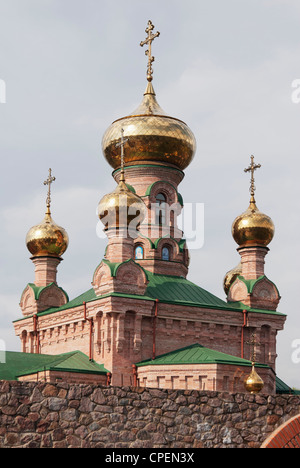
<point>210,377</point>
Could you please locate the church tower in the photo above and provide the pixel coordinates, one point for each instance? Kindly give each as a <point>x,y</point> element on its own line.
<point>253,231</point>
<point>46,242</point>
<point>158,148</point>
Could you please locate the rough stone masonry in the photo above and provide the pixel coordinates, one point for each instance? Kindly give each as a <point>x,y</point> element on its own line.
<point>41,415</point>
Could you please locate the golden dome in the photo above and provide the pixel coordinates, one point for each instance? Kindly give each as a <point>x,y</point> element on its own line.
<point>47,239</point>
<point>254,383</point>
<point>231,276</point>
<point>153,136</point>
<point>253,227</point>
<point>121,207</point>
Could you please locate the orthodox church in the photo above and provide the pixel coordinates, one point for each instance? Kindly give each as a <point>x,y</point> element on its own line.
<point>143,323</point>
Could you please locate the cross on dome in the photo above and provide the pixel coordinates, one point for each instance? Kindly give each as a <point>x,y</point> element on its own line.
<point>148,52</point>
<point>253,343</point>
<point>48,182</point>
<point>252,168</point>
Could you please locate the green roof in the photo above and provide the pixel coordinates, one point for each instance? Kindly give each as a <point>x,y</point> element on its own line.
<point>38,289</point>
<point>175,289</point>
<point>284,389</point>
<point>197,354</point>
<point>19,364</point>
<point>252,282</point>
<point>167,289</point>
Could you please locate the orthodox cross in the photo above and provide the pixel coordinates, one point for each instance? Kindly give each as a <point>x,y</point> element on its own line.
<point>148,52</point>
<point>253,343</point>
<point>48,182</point>
<point>122,145</point>
<point>251,169</point>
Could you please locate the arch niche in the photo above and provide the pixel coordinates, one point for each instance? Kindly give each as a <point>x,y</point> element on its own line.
<point>286,436</point>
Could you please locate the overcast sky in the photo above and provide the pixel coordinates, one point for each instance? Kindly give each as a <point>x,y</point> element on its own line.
<point>71,67</point>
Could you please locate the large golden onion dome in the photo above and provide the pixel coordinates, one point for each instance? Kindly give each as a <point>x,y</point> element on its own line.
<point>121,208</point>
<point>253,227</point>
<point>152,135</point>
<point>47,239</point>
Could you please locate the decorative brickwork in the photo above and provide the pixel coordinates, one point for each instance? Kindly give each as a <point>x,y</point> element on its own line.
<point>286,436</point>
<point>43,415</point>
<point>202,377</point>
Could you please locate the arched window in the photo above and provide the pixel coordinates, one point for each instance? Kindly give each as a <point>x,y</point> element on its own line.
<point>139,253</point>
<point>165,254</point>
<point>160,213</point>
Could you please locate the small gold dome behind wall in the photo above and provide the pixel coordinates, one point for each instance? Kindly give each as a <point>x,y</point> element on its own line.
<point>254,383</point>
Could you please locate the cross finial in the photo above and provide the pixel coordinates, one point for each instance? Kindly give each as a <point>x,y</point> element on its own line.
<point>122,145</point>
<point>48,182</point>
<point>251,169</point>
<point>253,343</point>
<point>148,52</point>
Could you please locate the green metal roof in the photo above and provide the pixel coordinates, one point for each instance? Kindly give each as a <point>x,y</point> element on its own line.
<point>251,283</point>
<point>19,364</point>
<point>176,289</point>
<point>284,389</point>
<point>37,290</point>
<point>197,354</point>
<point>167,289</point>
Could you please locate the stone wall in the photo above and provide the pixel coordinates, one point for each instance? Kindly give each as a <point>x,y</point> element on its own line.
<point>41,415</point>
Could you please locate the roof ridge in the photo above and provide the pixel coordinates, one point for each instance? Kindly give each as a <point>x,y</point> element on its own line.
<point>210,355</point>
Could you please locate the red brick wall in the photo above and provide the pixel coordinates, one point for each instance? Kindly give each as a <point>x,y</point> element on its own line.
<point>286,436</point>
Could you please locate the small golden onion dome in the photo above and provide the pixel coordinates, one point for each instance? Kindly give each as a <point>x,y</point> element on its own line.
<point>231,276</point>
<point>47,239</point>
<point>121,207</point>
<point>254,383</point>
<point>152,135</point>
<point>253,227</point>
